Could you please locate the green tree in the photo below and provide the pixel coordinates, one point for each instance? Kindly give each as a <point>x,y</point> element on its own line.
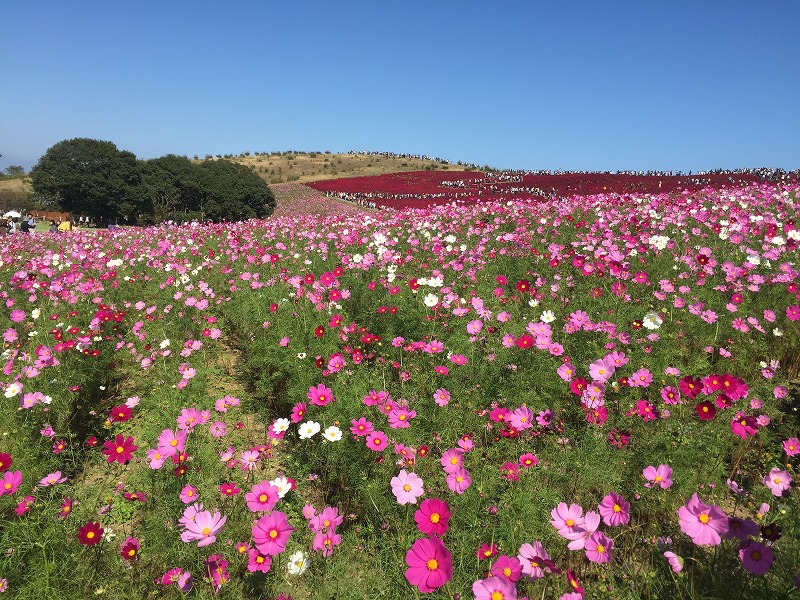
<point>174,188</point>
<point>15,171</point>
<point>234,193</point>
<point>92,178</point>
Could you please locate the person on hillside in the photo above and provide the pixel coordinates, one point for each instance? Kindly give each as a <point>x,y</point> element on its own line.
<point>28,224</point>
<point>64,225</point>
<point>53,227</point>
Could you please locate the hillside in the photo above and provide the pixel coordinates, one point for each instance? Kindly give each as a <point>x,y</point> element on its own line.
<point>302,167</point>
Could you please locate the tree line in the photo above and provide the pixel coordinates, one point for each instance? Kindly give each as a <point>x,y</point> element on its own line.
<point>94,179</point>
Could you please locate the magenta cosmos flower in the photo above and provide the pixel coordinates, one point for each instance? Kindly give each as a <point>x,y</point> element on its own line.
<point>507,566</point>
<point>262,498</point>
<point>433,517</point>
<point>494,588</point>
<point>320,395</point>
<point>377,441</point>
<point>429,563</point>
<point>756,558</point>
<point>703,523</point>
<point>615,510</point>
<point>271,532</point>
<point>407,487</point>
<point>120,450</point>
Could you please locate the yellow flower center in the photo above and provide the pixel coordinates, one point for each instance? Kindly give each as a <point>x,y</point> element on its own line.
<point>406,488</point>
<point>617,508</point>
<point>273,534</point>
<point>206,530</point>
<point>432,564</point>
<point>435,518</point>
<point>703,518</point>
<point>570,522</point>
<point>90,535</point>
<point>262,498</point>
<point>600,548</point>
<point>496,596</point>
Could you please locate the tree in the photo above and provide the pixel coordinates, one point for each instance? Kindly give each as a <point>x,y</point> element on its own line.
<point>91,178</point>
<point>15,171</point>
<point>234,192</point>
<point>173,187</point>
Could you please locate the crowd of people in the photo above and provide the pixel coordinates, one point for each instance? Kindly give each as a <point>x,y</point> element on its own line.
<point>27,224</point>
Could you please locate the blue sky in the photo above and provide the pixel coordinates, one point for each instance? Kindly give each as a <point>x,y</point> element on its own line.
<point>529,84</point>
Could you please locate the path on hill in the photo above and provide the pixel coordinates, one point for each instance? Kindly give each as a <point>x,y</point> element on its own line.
<point>298,198</point>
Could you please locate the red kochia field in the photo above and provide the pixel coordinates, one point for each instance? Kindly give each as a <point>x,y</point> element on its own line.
<point>581,397</point>
<point>423,188</point>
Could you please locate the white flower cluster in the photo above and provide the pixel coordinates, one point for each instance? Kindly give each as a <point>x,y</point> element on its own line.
<point>659,242</point>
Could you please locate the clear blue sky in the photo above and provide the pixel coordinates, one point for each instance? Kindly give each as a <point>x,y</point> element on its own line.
<point>596,85</point>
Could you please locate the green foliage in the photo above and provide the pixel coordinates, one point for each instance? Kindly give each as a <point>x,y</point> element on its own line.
<point>92,178</point>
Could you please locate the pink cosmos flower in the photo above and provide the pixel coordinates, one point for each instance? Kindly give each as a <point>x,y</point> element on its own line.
<point>568,520</point>
<point>429,563</point>
<point>172,442</point>
<point>791,446</point>
<point>534,559</point>
<point>377,441</point>
<point>494,588</point>
<point>615,510</point>
<point>10,482</point>
<point>441,397</point>
<point>320,395</point>
<point>598,548</point>
<point>459,481</point>
<point>262,498</point>
<point>778,481</point>
<point>326,541</point>
<point>508,567</point>
<point>361,427</point>
<point>271,532</point>
<point>744,425</point>
<point>52,479</point>
<point>201,526</point>
<point>257,561</point>
<point>522,418</point>
<point>528,460</point>
<point>675,561</point>
<point>188,494</point>
<point>433,517</point>
<point>703,523</point>
<point>452,460</point>
<point>660,476</point>
<point>591,523</point>
<point>326,521</point>
<point>407,487</point>
<point>400,416</point>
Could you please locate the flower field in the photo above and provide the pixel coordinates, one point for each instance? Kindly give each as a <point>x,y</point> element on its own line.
<point>587,397</point>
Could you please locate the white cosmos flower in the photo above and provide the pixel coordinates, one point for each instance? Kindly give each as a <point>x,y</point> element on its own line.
<point>308,429</point>
<point>332,433</point>
<point>280,425</point>
<point>652,320</point>
<point>13,389</point>
<point>547,316</point>
<point>431,300</point>
<point>298,563</point>
<point>282,484</point>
